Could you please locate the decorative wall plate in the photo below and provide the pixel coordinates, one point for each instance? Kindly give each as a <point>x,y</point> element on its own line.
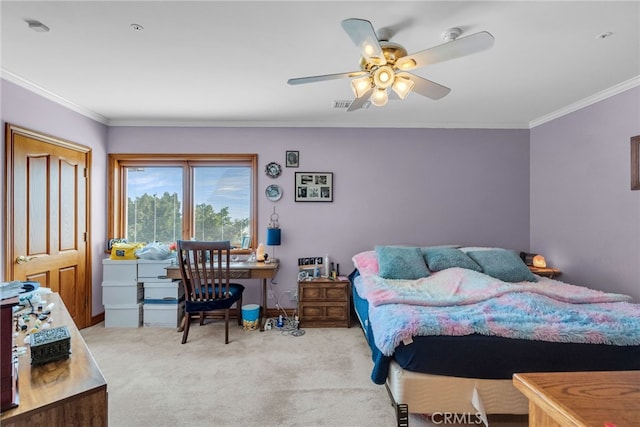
<point>273,192</point>
<point>273,170</point>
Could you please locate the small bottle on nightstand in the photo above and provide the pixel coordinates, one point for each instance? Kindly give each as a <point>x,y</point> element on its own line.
<point>327,272</point>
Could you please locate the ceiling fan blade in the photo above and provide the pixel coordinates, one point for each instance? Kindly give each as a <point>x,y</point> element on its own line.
<point>312,79</point>
<point>359,102</point>
<point>426,87</point>
<point>446,51</point>
<point>364,36</point>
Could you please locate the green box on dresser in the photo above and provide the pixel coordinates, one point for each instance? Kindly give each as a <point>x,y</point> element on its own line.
<point>50,345</point>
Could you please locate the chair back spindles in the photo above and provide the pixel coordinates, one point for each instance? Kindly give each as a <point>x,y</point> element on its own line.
<point>206,282</point>
<point>205,271</point>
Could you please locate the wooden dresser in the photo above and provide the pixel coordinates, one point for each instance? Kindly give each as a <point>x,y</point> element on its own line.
<point>324,303</point>
<point>582,399</point>
<point>69,392</point>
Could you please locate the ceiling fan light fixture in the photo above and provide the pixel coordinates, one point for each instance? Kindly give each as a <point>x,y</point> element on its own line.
<point>402,86</point>
<point>406,64</point>
<point>360,86</point>
<point>383,77</point>
<point>368,49</point>
<point>379,97</point>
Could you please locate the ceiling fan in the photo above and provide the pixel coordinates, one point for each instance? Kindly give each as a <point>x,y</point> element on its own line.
<point>385,64</point>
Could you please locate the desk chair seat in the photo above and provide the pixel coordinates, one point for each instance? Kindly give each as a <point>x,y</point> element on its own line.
<point>204,267</point>
<point>205,304</point>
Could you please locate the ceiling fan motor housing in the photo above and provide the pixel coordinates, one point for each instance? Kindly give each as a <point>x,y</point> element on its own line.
<point>383,76</point>
<point>392,52</point>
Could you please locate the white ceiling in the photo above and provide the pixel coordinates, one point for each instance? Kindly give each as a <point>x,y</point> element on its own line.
<point>227,63</point>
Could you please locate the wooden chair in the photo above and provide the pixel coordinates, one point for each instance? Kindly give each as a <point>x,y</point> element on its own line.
<point>204,267</point>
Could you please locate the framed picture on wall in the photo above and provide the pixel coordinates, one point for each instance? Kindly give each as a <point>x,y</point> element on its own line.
<point>292,159</point>
<point>635,163</point>
<point>314,187</point>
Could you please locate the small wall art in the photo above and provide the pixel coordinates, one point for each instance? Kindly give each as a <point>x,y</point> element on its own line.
<point>292,159</point>
<point>273,170</point>
<point>314,187</point>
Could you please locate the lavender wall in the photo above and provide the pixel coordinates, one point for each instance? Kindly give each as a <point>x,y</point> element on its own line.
<point>391,186</point>
<point>26,109</point>
<point>584,218</point>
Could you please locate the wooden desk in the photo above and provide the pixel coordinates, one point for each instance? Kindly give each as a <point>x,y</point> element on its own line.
<point>582,398</point>
<point>66,392</point>
<point>243,270</point>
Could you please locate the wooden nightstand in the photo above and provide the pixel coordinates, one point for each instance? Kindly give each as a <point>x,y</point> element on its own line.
<point>545,271</point>
<point>324,303</point>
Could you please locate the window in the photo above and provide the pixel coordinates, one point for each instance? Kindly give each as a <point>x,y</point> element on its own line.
<point>165,198</point>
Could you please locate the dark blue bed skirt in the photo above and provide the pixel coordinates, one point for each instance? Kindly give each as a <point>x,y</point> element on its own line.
<point>492,357</point>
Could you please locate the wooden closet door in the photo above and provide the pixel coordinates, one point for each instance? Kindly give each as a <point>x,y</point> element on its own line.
<point>47,217</point>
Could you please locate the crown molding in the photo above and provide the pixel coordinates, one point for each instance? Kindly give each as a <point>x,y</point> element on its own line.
<point>13,78</point>
<point>607,93</point>
<point>300,124</point>
<point>585,102</point>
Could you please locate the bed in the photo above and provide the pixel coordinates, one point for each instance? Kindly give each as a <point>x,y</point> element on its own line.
<point>448,326</point>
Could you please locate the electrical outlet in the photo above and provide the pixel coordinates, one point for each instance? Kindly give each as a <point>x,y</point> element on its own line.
<point>293,294</point>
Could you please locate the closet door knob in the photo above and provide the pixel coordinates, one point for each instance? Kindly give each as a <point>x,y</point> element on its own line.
<point>22,259</point>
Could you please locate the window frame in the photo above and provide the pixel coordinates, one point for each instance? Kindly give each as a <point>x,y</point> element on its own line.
<point>117,164</point>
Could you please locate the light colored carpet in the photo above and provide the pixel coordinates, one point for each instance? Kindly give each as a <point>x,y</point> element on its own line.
<point>258,379</point>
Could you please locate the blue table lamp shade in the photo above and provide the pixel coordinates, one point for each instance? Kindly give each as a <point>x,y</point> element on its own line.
<point>273,237</point>
<point>273,233</point>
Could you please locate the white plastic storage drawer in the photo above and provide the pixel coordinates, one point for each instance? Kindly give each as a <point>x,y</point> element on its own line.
<point>163,315</point>
<point>119,271</point>
<point>123,316</point>
<point>152,268</point>
<point>117,293</point>
<point>162,291</point>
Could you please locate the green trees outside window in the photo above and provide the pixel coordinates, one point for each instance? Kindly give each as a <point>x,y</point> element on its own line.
<point>158,199</point>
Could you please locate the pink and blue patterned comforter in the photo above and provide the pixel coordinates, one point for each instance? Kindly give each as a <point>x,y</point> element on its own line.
<point>460,302</point>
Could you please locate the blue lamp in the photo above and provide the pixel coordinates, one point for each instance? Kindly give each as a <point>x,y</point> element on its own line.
<point>273,234</point>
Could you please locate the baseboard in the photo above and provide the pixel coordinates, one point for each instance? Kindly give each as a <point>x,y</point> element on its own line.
<point>97,319</point>
<point>275,312</point>
<point>271,312</point>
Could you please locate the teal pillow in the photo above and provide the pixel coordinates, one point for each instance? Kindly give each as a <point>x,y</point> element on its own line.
<point>401,262</point>
<point>503,264</point>
<point>440,258</point>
